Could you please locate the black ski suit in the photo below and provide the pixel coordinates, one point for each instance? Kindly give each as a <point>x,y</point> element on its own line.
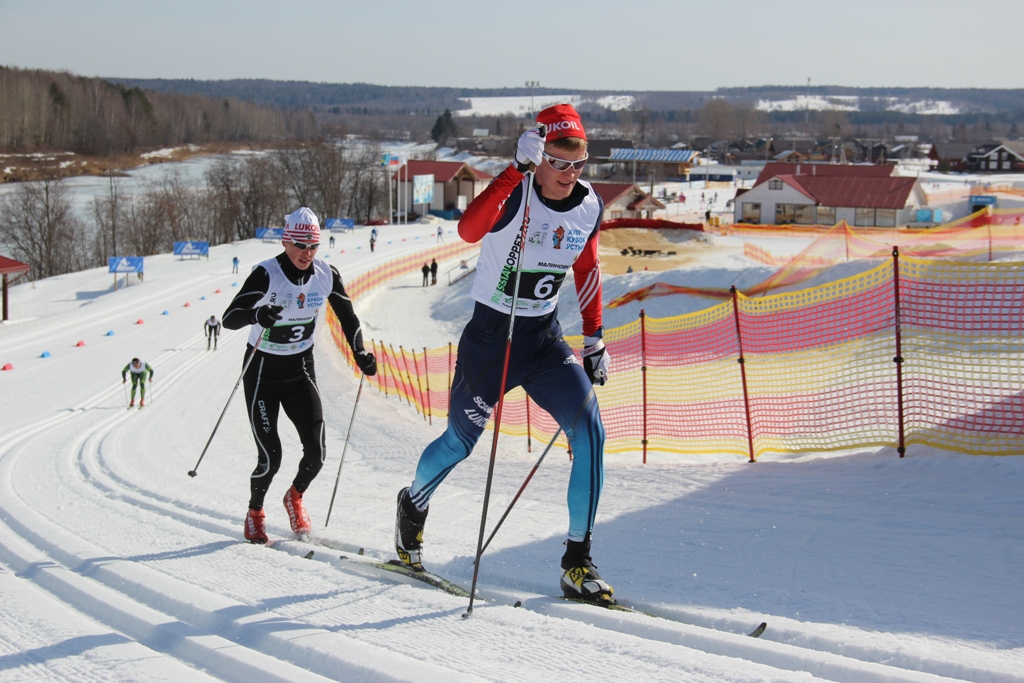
<point>275,381</point>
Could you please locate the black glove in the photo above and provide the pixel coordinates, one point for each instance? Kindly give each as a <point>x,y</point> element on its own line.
<point>366,362</point>
<point>266,316</point>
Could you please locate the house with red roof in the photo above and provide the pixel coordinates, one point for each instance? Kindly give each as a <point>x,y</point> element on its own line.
<point>455,184</point>
<point>625,200</point>
<point>825,194</point>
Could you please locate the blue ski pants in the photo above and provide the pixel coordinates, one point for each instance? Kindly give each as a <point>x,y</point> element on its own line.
<point>545,366</point>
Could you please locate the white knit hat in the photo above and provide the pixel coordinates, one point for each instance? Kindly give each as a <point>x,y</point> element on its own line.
<point>302,226</point>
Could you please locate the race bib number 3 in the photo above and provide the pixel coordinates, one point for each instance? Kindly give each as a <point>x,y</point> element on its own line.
<point>291,333</point>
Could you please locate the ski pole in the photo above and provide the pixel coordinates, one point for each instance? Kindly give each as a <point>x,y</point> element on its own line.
<point>125,386</point>
<point>192,472</point>
<point>345,448</point>
<point>504,378</point>
<point>521,489</point>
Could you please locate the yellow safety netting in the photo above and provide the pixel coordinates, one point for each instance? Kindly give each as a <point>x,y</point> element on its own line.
<point>914,351</point>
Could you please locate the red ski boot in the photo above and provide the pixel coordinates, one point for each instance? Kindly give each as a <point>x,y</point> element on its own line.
<point>301,525</point>
<point>255,530</point>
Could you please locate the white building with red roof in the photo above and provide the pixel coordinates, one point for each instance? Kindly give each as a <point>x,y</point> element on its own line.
<point>825,194</point>
<point>452,179</point>
<point>626,200</point>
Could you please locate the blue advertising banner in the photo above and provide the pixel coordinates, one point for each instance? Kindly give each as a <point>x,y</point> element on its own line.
<point>125,264</point>
<point>340,224</point>
<point>423,189</point>
<point>192,249</point>
<point>270,233</point>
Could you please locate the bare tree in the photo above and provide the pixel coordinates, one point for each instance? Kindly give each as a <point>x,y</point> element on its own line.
<point>39,224</point>
<point>145,232</point>
<point>264,200</point>
<point>244,195</point>
<point>107,214</point>
<point>716,120</point>
<point>368,189</point>
<point>315,176</point>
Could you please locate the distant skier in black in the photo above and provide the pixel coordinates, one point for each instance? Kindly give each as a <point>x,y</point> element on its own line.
<point>373,243</point>
<point>281,299</point>
<point>433,272</point>
<point>212,327</point>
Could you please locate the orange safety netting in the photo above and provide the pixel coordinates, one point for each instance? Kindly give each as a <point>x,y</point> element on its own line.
<point>982,233</point>
<point>833,367</point>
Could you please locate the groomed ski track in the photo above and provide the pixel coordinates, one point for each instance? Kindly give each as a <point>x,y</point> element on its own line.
<point>102,530</point>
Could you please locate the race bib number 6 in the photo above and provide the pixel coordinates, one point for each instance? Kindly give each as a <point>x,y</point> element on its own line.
<point>537,285</point>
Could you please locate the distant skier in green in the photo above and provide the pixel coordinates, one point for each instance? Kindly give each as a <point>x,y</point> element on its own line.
<point>138,369</point>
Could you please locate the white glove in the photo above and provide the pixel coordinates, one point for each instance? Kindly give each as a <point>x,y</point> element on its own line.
<point>530,149</point>
<point>595,360</point>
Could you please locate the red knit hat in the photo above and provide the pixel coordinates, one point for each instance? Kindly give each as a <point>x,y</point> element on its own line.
<point>562,121</point>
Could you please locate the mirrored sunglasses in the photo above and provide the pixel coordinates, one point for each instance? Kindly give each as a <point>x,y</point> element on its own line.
<point>565,164</point>
<point>302,246</point>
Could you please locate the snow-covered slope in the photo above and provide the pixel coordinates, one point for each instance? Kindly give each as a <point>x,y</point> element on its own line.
<point>117,566</point>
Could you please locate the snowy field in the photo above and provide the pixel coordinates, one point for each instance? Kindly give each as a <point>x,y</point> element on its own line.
<point>117,566</point>
<point>522,105</point>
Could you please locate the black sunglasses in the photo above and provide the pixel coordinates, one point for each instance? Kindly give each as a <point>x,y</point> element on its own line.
<point>301,246</point>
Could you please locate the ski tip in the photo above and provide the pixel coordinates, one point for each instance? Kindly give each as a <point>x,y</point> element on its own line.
<point>309,555</point>
<point>756,633</point>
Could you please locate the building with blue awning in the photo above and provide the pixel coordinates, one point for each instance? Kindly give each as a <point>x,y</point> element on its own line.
<point>667,164</point>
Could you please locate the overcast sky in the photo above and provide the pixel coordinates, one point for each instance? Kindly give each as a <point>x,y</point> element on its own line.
<point>596,44</point>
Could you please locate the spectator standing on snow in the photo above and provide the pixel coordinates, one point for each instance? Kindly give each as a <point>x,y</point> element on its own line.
<point>540,361</point>
<point>212,327</point>
<point>426,274</point>
<point>433,272</point>
<point>281,299</point>
<point>138,370</point>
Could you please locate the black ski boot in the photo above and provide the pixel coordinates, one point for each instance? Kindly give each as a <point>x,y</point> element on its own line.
<point>409,531</point>
<point>580,580</point>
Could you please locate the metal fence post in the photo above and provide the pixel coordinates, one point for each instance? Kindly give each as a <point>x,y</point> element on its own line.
<point>743,373</point>
<point>902,447</point>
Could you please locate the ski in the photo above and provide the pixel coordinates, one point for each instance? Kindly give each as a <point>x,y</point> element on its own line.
<point>394,568</point>
<point>616,607</point>
<point>427,577</point>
